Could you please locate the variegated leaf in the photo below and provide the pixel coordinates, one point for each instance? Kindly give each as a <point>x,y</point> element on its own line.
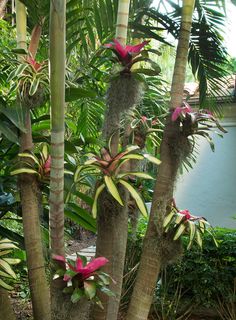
<point>168,218</point>
<point>179,231</point>
<point>152,158</point>
<point>113,189</point>
<point>97,193</point>
<point>139,201</point>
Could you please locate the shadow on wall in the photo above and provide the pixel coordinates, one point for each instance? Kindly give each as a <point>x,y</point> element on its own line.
<point>209,189</point>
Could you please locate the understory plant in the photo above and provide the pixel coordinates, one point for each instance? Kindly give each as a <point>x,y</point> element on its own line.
<point>83,278</point>
<point>6,262</point>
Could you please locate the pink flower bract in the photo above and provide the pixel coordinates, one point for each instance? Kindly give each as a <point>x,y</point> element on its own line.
<point>47,165</point>
<point>186,213</point>
<point>37,66</point>
<point>85,271</point>
<point>125,54</point>
<point>180,111</point>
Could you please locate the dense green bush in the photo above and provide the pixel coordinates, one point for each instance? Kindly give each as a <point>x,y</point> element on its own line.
<point>199,278</point>
<point>209,274</point>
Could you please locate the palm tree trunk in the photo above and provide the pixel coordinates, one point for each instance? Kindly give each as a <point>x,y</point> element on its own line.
<point>5,306</point>
<point>29,192</point>
<point>158,248</point>
<point>113,219</point>
<point>57,82</point>
<point>56,199</point>
<point>2,8</point>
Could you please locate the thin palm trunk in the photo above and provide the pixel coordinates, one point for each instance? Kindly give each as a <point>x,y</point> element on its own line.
<point>30,201</point>
<point>56,199</point>
<point>156,245</point>
<point>112,218</point>
<point>5,306</point>
<point>3,5</point>
<point>57,83</point>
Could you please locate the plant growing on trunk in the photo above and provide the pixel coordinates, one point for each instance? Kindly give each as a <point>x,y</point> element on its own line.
<point>30,200</point>
<point>113,176</point>
<point>156,243</point>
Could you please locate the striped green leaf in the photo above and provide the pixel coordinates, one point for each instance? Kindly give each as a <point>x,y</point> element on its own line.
<point>6,267</point>
<point>23,170</point>
<point>139,201</point>
<point>5,285</point>
<point>113,189</point>
<point>98,192</point>
<point>198,238</point>
<point>152,158</point>
<point>168,219</point>
<point>29,155</point>
<point>136,174</point>
<point>180,231</point>
<point>192,229</point>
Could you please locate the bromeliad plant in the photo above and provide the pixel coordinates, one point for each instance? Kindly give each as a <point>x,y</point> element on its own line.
<point>83,279</point>
<point>32,80</point>
<point>113,176</point>
<point>143,128</point>
<point>39,165</point>
<point>184,223</point>
<point>196,123</point>
<point>126,56</point>
<point>6,272</point>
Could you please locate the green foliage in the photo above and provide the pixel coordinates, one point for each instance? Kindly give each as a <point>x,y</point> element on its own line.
<point>201,277</point>
<point>112,175</point>
<point>6,262</point>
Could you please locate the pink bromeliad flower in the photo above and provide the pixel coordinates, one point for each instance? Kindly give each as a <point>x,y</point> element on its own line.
<point>79,269</point>
<point>125,54</point>
<point>180,111</point>
<point>37,66</point>
<point>47,165</point>
<point>186,213</point>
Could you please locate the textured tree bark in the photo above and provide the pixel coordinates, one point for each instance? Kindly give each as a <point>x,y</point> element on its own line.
<point>5,306</point>
<point>30,201</point>
<point>3,5</point>
<point>112,218</point>
<point>157,248</point>
<point>30,197</point>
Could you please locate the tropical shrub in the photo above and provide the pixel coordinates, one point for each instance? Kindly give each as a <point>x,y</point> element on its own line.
<point>83,279</point>
<point>201,277</point>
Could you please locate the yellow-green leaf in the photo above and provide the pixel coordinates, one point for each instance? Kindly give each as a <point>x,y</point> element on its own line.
<point>12,261</point>
<point>5,285</point>
<point>6,267</point>
<point>179,217</point>
<point>4,274</point>
<point>94,207</point>
<point>7,246</point>
<point>168,218</point>
<point>152,158</point>
<point>198,238</point>
<point>113,189</point>
<point>133,156</point>
<point>4,252</point>
<point>29,155</point>
<point>179,231</point>
<point>136,196</point>
<point>192,229</point>
<point>45,153</point>
<point>24,170</point>
<point>136,174</point>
